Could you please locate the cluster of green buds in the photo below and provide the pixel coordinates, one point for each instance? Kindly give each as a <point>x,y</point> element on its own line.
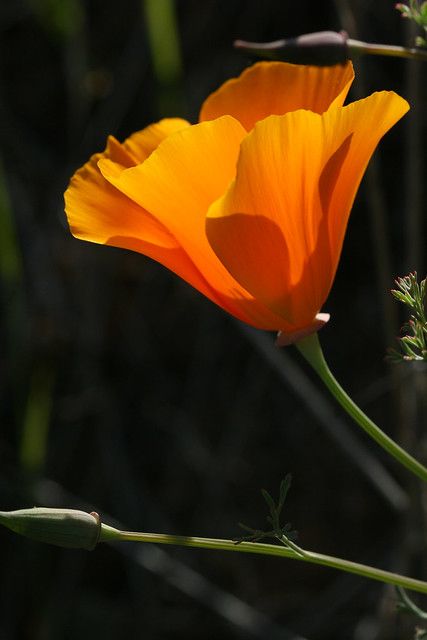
<point>414,342</point>
<point>418,13</point>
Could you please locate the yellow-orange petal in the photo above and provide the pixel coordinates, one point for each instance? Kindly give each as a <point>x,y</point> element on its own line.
<point>142,143</point>
<point>177,184</point>
<point>279,229</point>
<point>116,152</point>
<point>275,88</point>
<point>364,123</point>
<point>266,228</point>
<point>97,212</point>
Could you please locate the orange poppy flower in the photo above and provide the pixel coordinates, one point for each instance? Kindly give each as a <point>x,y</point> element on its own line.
<point>249,206</point>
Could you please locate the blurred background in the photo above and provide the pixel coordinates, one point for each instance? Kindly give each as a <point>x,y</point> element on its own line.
<point>126,392</point>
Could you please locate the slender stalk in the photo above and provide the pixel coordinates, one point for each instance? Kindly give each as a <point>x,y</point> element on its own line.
<point>327,42</point>
<point>291,545</point>
<point>310,348</point>
<point>110,534</point>
<point>371,48</point>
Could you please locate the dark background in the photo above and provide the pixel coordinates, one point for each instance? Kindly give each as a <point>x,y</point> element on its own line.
<point>124,391</point>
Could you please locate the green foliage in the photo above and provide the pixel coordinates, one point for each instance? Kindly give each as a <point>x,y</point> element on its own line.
<point>164,39</point>
<point>418,13</point>
<point>10,258</point>
<point>63,18</point>
<point>165,50</point>
<point>407,605</point>
<point>282,533</point>
<point>414,343</point>
<point>36,423</point>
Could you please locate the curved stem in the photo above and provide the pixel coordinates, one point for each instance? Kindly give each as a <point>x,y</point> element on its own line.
<point>109,534</point>
<point>310,348</point>
<point>411,606</point>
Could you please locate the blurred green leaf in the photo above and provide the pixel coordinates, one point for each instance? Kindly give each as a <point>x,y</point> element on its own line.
<point>163,36</point>
<point>63,18</point>
<point>164,40</point>
<point>35,430</point>
<point>10,256</point>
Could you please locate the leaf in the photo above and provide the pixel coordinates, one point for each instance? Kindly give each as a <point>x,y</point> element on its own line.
<point>271,504</point>
<point>285,485</point>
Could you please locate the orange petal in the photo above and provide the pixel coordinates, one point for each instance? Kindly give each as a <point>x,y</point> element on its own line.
<point>116,152</point>
<point>364,123</point>
<point>177,184</point>
<point>97,212</point>
<point>267,226</point>
<point>142,143</point>
<point>275,88</point>
<point>279,229</point>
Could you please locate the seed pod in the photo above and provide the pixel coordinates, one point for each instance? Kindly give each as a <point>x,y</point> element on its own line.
<point>68,528</point>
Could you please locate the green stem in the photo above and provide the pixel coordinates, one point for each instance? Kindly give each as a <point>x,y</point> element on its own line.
<point>110,534</point>
<point>310,348</point>
<point>348,46</point>
<point>291,545</point>
<point>416,53</point>
<point>409,605</point>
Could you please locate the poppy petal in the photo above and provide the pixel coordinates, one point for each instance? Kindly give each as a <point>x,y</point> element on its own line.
<point>97,212</point>
<point>275,88</point>
<point>280,227</point>
<point>142,143</point>
<point>364,123</point>
<point>177,184</point>
<point>265,228</point>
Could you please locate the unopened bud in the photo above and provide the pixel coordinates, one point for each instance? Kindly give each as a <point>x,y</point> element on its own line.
<point>320,48</point>
<point>62,527</point>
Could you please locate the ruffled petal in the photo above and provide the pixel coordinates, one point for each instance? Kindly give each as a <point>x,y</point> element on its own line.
<point>97,212</point>
<point>142,143</point>
<point>275,88</point>
<point>177,184</point>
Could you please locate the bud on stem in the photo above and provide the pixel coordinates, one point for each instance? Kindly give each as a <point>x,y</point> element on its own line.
<point>68,528</point>
<point>326,48</point>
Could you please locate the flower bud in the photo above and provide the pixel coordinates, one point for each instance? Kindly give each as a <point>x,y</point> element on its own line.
<point>323,48</point>
<point>62,527</point>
